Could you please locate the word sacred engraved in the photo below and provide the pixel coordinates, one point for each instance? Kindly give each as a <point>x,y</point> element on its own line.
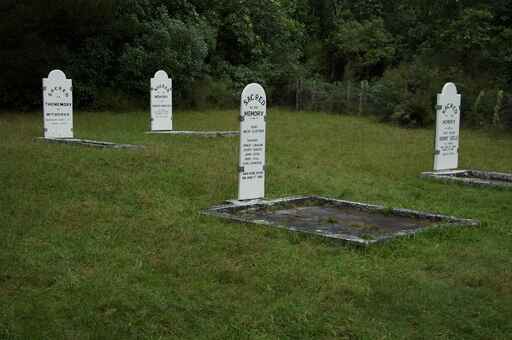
<point>58,90</point>
<point>254,97</point>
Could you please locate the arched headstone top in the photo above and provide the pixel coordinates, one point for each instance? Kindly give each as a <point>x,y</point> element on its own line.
<point>161,75</point>
<point>254,95</point>
<point>253,87</point>
<point>57,75</point>
<point>449,89</point>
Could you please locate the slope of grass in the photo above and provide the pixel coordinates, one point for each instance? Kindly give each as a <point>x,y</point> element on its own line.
<point>110,243</point>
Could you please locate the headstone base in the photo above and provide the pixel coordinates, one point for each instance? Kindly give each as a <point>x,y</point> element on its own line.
<point>472,177</point>
<point>352,222</point>
<point>89,143</point>
<point>207,134</point>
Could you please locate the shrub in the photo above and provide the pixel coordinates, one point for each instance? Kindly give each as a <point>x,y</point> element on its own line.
<point>488,108</point>
<point>208,93</point>
<point>386,95</point>
<point>170,44</point>
<point>84,96</point>
<point>115,100</point>
<point>506,112</point>
<point>406,94</point>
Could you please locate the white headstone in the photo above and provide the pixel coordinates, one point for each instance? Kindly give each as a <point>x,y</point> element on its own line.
<point>253,113</point>
<point>161,102</point>
<point>57,105</point>
<point>447,129</point>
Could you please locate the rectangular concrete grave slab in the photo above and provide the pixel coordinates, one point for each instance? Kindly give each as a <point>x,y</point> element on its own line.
<point>352,222</point>
<point>58,105</point>
<point>446,155</point>
<point>161,102</point>
<point>90,143</point>
<point>206,134</point>
<point>251,166</point>
<point>473,177</point>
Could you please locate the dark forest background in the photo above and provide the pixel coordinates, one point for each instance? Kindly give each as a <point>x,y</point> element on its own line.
<point>382,57</point>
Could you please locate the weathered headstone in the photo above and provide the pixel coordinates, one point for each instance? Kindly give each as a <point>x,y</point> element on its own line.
<point>253,113</point>
<point>161,102</point>
<point>447,129</point>
<point>57,105</point>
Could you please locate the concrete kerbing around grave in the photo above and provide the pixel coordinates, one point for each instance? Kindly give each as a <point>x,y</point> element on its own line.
<point>472,177</point>
<point>90,143</point>
<point>232,209</point>
<point>207,134</point>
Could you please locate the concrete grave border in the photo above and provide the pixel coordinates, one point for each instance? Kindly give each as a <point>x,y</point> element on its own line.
<point>89,143</point>
<point>472,177</point>
<point>206,134</point>
<point>223,211</point>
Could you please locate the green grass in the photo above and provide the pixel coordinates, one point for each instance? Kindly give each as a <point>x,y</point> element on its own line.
<point>110,243</point>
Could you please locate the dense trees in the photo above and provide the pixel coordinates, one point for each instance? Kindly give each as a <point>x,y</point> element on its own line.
<point>311,48</point>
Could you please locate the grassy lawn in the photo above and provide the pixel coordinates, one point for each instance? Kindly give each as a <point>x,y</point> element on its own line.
<point>110,243</point>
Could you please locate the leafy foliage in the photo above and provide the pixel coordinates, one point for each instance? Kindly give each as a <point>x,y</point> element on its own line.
<point>363,46</point>
<point>118,45</point>
<point>164,43</point>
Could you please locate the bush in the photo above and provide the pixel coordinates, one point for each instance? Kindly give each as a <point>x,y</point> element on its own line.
<point>170,44</point>
<point>506,112</point>
<point>108,99</point>
<point>479,109</point>
<point>386,95</point>
<point>209,93</point>
<point>84,96</point>
<point>406,94</point>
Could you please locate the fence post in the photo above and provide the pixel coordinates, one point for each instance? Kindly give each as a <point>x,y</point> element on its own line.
<point>348,90</point>
<point>362,96</point>
<point>499,104</point>
<point>297,107</point>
